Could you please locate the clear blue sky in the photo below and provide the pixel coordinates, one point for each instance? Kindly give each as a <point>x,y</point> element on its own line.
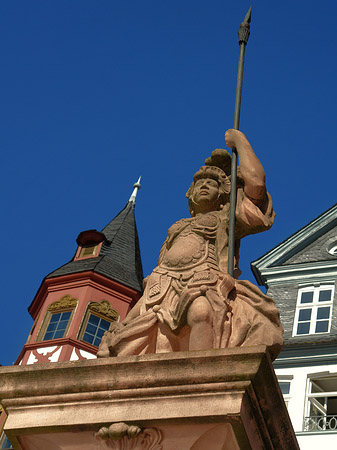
<point>96,93</point>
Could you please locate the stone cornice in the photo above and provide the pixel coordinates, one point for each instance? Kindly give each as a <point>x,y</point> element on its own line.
<point>234,386</point>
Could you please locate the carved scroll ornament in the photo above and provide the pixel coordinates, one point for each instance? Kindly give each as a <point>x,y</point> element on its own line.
<point>120,436</point>
<point>64,303</point>
<point>104,308</point>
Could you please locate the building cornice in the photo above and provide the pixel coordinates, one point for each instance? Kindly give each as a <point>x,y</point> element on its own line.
<point>295,243</point>
<point>307,354</point>
<point>77,279</point>
<point>302,272</point>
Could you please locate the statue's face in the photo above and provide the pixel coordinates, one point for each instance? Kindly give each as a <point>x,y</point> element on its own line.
<point>206,193</point>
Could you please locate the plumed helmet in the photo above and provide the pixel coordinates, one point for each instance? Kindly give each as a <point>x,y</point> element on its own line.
<point>215,173</point>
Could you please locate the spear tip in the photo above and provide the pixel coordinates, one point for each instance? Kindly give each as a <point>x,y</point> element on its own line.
<point>248,16</point>
<point>244,29</point>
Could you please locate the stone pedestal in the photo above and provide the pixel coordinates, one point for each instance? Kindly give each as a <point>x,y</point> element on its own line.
<point>225,399</point>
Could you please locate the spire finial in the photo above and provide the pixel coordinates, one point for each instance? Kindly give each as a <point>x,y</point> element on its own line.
<point>136,186</point>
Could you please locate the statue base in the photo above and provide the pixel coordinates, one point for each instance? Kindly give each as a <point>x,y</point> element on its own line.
<point>204,400</point>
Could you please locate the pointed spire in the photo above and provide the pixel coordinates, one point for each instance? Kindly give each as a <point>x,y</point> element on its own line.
<point>136,186</point>
<point>119,257</point>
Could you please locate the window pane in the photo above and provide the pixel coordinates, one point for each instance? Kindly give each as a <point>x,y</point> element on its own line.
<point>65,315</point>
<point>62,325</point>
<point>323,313</point>
<point>97,341</point>
<point>307,297</point>
<point>304,315</point>
<point>48,336</point>
<point>91,329</point>
<point>93,319</point>
<point>88,338</point>
<point>322,326</point>
<point>303,328</point>
<point>55,317</point>
<point>58,334</point>
<point>285,387</point>
<point>100,332</point>
<point>104,324</point>
<point>324,296</point>
<point>52,326</point>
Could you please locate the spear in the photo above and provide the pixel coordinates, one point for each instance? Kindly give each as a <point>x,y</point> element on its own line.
<point>243,33</point>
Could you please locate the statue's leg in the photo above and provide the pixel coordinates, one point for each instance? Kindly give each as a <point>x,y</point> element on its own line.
<point>200,320</point>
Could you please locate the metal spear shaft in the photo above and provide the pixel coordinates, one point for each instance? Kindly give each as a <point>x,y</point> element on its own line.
<point>243,33</point>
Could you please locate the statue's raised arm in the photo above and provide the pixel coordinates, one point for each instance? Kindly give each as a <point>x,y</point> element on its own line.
<point>252,171</point>
<point>190,302</point>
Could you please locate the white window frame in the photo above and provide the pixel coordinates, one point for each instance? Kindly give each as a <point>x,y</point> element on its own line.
<point>286,379</point>
<point>322,422</point>
<point>314,305</point>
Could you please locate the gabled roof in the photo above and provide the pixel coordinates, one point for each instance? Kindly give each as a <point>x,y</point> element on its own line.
<point>282,253</point>
<point>119,257</point>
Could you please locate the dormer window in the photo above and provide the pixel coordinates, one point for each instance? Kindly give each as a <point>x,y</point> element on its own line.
<point>314,309</point>
<point>88,251</point>
<point>333,249</point>
<point>89,244</point>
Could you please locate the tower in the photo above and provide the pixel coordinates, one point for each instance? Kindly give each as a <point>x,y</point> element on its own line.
<point>76,303</point>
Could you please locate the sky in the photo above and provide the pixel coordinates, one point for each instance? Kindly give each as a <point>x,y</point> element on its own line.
<point>96,93</point>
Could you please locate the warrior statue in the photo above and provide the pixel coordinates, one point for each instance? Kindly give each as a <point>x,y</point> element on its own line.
<point>190,302</point>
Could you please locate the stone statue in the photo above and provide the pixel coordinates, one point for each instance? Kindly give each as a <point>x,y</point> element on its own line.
<point>190,302</point>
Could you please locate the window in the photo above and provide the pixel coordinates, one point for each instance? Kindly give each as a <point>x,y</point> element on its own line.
<point>332,249</point>
<point>314,308</point>
<point>58,324</point>
<point>97,320</point>
<point>4,442</point>
<point>321,403</point>
<point>58,319</point>
<point>88,251</point>
<point>284,382</point>
<point>96,326</point>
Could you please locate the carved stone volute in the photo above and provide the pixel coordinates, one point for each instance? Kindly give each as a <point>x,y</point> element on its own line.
<point>120,436</point>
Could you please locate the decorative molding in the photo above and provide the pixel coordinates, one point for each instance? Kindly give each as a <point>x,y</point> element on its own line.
<point>296,242</point>
<point>104,308</point>
<point>65,302</point>
<point>314,271</point>
<point>120,436</point>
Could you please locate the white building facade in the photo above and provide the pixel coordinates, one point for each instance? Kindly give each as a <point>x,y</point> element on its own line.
<point>300,275</point>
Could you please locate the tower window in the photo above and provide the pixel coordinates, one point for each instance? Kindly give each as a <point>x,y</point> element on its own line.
<point>314,308</point>
<point>88,251</point>
<point>4,442</point>
<point>58,325</point>
<point>57,319</point>
<point>95,329</point>
<point>97,320</point>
